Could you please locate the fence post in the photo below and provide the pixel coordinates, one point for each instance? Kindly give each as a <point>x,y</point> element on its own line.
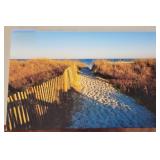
<point>24,105</point>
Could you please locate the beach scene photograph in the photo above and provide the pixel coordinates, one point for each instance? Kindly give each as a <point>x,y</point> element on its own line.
<point>81,80</point>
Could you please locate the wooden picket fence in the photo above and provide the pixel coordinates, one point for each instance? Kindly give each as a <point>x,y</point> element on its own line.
<point>28,108</point>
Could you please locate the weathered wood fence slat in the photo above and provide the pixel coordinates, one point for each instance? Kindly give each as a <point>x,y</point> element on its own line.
<point>29,107</point>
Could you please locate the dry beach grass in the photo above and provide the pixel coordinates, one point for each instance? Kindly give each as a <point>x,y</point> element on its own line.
<point>136,78</point>
<point>29,72</point>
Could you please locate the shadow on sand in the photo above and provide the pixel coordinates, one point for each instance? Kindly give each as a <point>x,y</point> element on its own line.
<point>77,112</point>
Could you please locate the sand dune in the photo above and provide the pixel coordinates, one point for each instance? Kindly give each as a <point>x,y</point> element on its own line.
<point>101,106</point>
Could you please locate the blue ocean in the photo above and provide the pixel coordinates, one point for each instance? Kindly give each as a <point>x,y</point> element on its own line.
<point>90,61</point>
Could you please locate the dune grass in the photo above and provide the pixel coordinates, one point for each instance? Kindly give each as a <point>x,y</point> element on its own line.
<point>136,78</point>
<point>23,73</point>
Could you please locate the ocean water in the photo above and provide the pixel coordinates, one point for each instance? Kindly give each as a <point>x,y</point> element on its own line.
<point>87,61</point>
<point>90,62</point>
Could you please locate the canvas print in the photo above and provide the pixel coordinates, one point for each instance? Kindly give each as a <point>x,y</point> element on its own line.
<point>81,80</point>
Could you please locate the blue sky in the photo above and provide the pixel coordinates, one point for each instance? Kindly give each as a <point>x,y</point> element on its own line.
<point>74,45</point>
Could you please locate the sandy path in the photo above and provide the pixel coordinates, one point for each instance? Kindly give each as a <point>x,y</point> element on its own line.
<point>102,106</point>
<point>101,91</point>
